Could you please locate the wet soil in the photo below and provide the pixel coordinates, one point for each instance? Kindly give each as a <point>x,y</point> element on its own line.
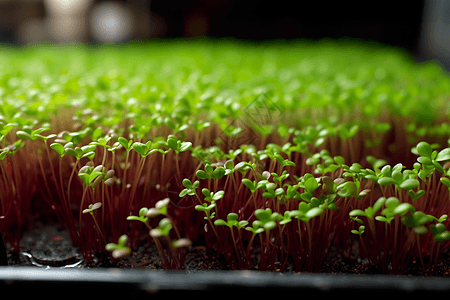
<point>49,246</point>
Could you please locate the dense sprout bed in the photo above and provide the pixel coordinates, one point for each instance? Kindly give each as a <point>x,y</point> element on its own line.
<point>281,152</point>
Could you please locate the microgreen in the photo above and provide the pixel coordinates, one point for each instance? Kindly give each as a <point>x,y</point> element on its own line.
<point>359,231</point>
<point>189,187</point>
<point>144,131</point>
<point>92,176</point>
<point>370,211</point>
<point>439,232</point>
<point>142,148</point>
<point>163,231</point>
<point>120,249</point>
<point>90,210</point>
<point>177,145</point>
<point>232,221</point>
<point>142,216</point>
<point>211,173</point>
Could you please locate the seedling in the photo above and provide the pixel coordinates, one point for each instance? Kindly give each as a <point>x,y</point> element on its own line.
<point>163,231</point>
<point>120,249</point>
<point>90,210</point>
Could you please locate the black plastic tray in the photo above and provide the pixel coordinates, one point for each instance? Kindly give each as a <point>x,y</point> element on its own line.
<point>134,284</point>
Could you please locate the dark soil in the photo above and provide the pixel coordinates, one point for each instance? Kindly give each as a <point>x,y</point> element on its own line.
<point>50,246</point>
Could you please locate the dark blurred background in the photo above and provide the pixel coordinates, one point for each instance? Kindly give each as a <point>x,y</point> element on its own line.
<point>418,26</point>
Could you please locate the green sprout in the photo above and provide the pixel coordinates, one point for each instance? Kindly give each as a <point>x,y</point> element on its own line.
<point>163,231</point>
<point>90,210</point>
<point>189,187</point>
<point>120,249</point>
<point>232,221</point>
<point>211,173</point>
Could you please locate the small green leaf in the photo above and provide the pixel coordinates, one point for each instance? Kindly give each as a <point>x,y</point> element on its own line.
<point>88,148</point>
<point>94,175</point>
<point>140,148</point>
<point>415,195</point>
<point>425,160</point>
<point>209,169</point>
<point>183,193</point>
<point>386,181</point>
<point>409,184</point>
<point>218,173</point>
<point>126,144</point>
<point>379,203</point>
<point>69,145</point>
<point>58,148</point>
<point>438,166</point>
<point>347,189</point>
<point>84,177</point>
<point>220,222</point>
<point>172,142</point>
<point>201,174</point>
<point>306,196</point>
<point>438,228</point>
<point>313,212</point>
<point>443,155</point>
<point>384,219</point>
<point>206,192</point>
<point>311,184</point>
<point>386,171</point>
<point>403,208</point>
<point>3,155</point>
<point>279,192</point>
<point>248,183</point>
<point>270,225</point>
<point>421,230</point>
<point>360,231</point>
<point>357,212</point>
<point>339,160</point>
<point>444,236</point>
<point>372,177</point>
<point>268,195</point>
<point>23,135</point>
<point>391,202</point>
<point>445,181</point>
<point>89,155</point>
<point>187,183</point>
<point>232,217</point>
<point>185,146</point>
<point>218,195</point>
<point>397,176</point>
<point>424,149</point>
<point>201,208</point>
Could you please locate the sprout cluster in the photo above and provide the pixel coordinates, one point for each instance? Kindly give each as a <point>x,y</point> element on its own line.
<point>285,150</point>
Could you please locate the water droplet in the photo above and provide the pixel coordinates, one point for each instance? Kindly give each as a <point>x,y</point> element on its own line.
<point>206,227</point>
